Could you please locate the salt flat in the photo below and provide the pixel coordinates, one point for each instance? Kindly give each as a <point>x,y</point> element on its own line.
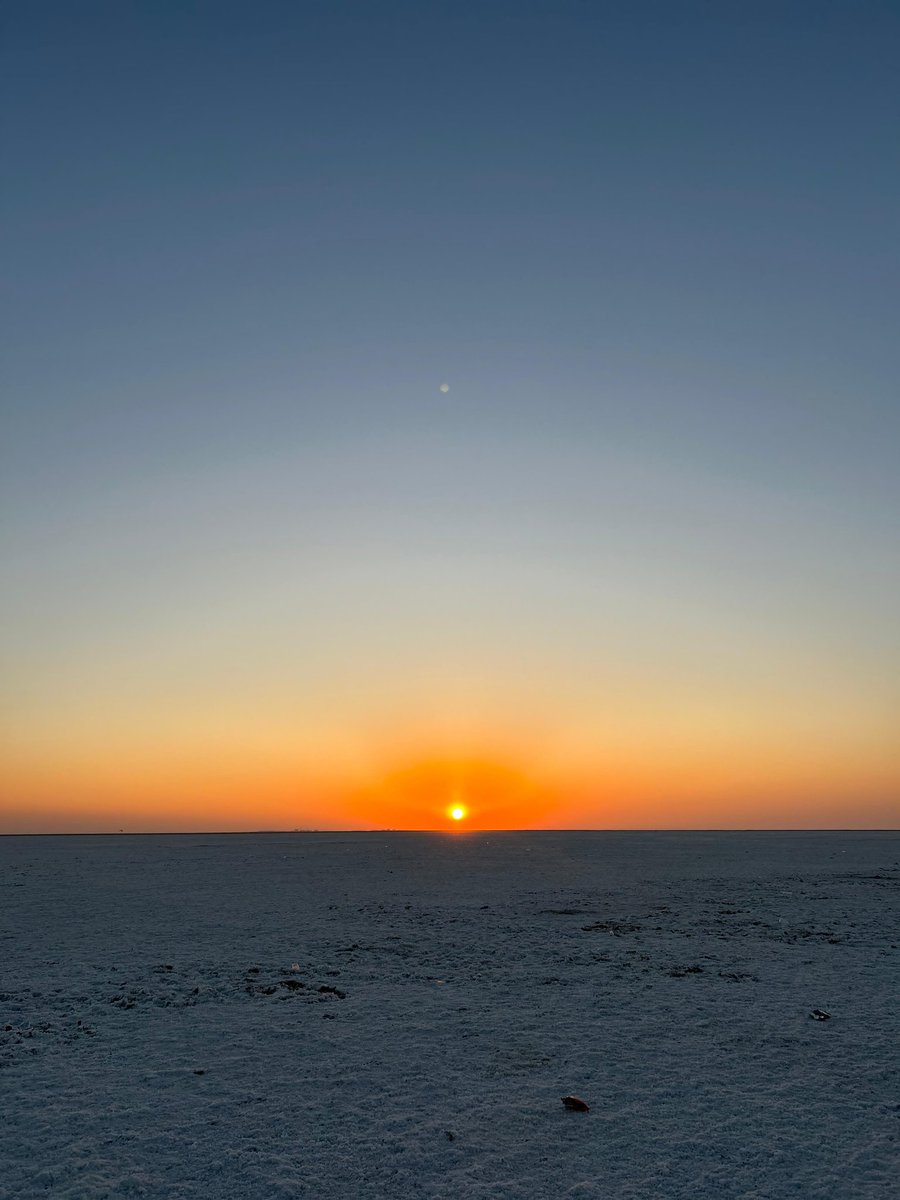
<point>367,1015</point>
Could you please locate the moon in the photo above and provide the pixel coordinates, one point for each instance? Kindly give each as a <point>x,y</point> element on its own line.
<point>445,387</point>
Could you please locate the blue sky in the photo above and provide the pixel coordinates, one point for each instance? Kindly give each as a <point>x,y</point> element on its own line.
<point>652,248</point>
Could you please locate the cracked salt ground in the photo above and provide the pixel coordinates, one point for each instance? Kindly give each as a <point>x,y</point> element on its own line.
<point>403,1013</point>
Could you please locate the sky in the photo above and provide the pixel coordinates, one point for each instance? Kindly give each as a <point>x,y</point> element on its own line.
<point>420,405</point>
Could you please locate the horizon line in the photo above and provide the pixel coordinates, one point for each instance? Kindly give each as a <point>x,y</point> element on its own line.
<point>454,831</point>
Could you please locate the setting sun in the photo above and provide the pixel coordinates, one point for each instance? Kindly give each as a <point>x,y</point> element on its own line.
<point>433,793</point>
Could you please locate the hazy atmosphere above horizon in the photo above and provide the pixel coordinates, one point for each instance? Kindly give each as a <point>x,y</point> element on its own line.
<point>450,415</point>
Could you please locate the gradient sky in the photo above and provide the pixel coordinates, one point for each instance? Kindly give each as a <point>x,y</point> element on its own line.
<point>638,567</point>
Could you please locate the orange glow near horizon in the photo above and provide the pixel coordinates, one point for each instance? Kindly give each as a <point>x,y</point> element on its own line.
<point>449,793</point>
<point>248,783</point>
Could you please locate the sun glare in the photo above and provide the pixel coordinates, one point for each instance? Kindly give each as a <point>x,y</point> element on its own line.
<point>455,793</point>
